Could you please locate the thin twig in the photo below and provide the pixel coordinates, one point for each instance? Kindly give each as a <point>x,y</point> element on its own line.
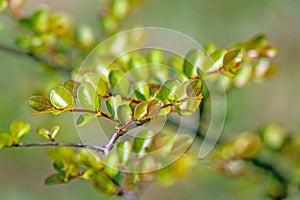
<point>34,57</point>
<point>61,144</point>
<point>103,149</point>
<point>125,128</point>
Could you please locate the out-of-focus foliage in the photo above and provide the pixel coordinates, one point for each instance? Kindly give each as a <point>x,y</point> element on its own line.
<point>130,95</point>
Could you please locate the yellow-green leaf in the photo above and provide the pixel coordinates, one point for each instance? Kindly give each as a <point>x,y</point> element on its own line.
<point>111,162</point>
<point>189,106</point>
<point>55,179</point>
<point>104,184</point>
<point>4,138</point>
<point>88,97</point>
<point>194,88</point>
<point>72,86</point>
<point>140,110</point>
<point>18,129</point>
<point>40,103</point>
<point>84,119</point>
<point>193,60</point>
<point>167,90</point>
<point>124,151</point>
<point>44,133</point>
<point>112,104</point>
<point>138,68</point>
<point>98,83</point>
<point>61,98</point>
<point>119,82</point>
<point>141,90</point>
<point>232,62</point>
<point>124,113</point>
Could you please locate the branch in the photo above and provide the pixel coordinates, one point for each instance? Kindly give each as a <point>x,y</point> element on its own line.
<point>269,168</point>
<point>104,149</point>
<point>124,129</point>
<point>60,144</point>
<point>34,57</point>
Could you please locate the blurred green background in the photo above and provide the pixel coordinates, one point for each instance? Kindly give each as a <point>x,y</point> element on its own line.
<point>220,21</point>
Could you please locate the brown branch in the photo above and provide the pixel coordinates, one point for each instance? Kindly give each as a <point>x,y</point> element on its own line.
<point>34,57</point>
<point>103,149</point>
<point>124,129</point>
<point>61,144</point>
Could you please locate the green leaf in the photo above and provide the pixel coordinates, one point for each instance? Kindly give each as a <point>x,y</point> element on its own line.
<point>84,119</point>
<point>18,129</point>
<point>124,151</point>
<point>4,138</point>
<point>167,89</point>
<point>54,131</point>
<point>155,60</point>
<point>89,160</point>
<point>141,90</point>
<point>194,88</point>
<point>215,60</point>
<point>177,63</point>
<point>104,184</point>
<point>72,86</point>
<point>244,75</point>
<point>256,42</point>
<point>189,106</point>
<point>112,104</point>
<point>154,108</point>
<point>165,111</point>
<point>84,36</point>
<point>155,56</point>
<point>193,60</point>
<point>273,136</point>
<point>98,83</point>
<point>40,103</point>
<point>124,113</point>
<point>119,83</point>
<point>232,62</point>
<point>180,92</point>
<point>142,142</point>
<point>39,21</point>
<point>138,68</point>
<point>61,98</point>
<point>111,162</point>
<point>55,179</point>
<point>119,8</point>
<point>88,97</point>
<point>140,111</point>
<point>44,133</point>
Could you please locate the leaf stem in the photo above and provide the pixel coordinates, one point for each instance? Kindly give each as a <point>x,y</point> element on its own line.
<point>93,112</point>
